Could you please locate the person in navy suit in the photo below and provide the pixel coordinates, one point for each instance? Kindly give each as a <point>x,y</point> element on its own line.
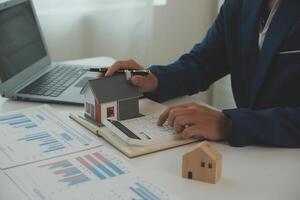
<point>257,42</point>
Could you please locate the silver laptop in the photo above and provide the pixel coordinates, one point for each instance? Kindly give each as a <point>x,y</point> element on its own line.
<point>26,71</point>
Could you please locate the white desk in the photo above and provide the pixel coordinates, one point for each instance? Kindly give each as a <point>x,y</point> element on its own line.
<point>248,173</point>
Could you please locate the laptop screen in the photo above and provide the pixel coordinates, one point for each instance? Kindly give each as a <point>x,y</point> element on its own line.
<point>20,40</point>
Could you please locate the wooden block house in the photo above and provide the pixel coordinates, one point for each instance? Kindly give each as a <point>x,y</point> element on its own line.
<point>111,98</point>
<point>203,162</point>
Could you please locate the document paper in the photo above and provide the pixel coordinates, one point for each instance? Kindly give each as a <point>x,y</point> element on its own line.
<point>95,174</point>
<point>38,133</point>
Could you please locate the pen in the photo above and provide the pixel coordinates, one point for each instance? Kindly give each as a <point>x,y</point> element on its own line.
<point>133,72</point>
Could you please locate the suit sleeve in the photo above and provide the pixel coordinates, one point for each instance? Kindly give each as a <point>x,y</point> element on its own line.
<point>271,127</point>
<point>197,70</point>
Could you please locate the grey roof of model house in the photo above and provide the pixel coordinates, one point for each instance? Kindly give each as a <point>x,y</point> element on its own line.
<point>107,89</point>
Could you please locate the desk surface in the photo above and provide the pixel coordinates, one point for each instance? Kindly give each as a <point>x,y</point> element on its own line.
<point>248,173</point>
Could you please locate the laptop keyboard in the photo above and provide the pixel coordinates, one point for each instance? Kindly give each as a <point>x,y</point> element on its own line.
<point>54,82</point>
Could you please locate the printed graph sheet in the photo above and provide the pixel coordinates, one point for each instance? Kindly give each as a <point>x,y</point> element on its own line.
<point>36,134</point>
<point>91,175</point>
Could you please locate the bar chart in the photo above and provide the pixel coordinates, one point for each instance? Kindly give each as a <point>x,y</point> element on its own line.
<point>41,133</point>
<point>90,166</point>
<point>90,175</point>
<point>100,166</point>
<point>46,141</point>
<point>69,173</point>
<point>143,192</point>
<point>17,120</point>
<point>138,188</point>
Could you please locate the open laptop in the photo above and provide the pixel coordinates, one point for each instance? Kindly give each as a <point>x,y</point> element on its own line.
<point>26,71</point>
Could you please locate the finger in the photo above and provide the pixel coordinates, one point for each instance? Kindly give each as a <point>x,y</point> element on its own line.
<point>129,64</point>
<point>119,65</point>
<point>177,112</point>
<point>115,67</point>
<point>191,131</point>
<point>138,81</point>
<point>100,75</point>
<point>183,122</point>
<point>164,116</point>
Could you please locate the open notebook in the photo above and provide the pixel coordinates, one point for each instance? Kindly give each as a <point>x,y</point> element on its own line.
<point>147,108</point>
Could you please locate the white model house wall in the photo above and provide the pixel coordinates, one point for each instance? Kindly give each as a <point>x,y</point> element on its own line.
<point>89,101</point>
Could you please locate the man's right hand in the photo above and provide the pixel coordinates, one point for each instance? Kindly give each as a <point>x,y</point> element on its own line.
<point>148,83</point>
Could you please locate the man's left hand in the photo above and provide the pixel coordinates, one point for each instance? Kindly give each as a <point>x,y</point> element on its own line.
<point>193,120</point>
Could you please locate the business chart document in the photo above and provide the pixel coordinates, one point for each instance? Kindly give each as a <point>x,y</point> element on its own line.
<point>90,175</point>
<point>36,134</point>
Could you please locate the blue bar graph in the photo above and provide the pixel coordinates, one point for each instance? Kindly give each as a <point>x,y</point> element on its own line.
<point>66,137</point>
<point>91,168</point>
<point>41,117</point>
<point>143,192</point>
<point>11,116</point>
<point>17,121</point>
<point>68,172</point>
<point>100,165</point>
<point>108,163</point>
<point>47,142</point>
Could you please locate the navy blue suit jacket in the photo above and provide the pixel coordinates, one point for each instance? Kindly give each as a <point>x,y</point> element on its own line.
<point>266,84</point>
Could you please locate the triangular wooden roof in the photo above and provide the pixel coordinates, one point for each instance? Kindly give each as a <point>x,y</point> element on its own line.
<point>208,149</point>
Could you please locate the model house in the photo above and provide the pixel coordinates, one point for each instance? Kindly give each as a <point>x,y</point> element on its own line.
<point>203,162</point>
<point>111,98</point>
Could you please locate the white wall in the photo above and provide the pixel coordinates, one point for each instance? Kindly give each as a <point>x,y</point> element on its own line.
<point>177,27</point>
<point>85,28</point>
<point>76,29</point>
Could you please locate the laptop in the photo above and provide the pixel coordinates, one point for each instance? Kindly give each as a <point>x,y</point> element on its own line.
<point>26,70</point>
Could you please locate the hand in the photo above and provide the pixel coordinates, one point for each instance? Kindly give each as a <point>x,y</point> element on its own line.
<point>148,83</point>
<point>195,120</point>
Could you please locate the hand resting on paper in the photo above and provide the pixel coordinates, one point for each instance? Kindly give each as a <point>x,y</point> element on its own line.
<point>194,120</point>
<point>190,120</point>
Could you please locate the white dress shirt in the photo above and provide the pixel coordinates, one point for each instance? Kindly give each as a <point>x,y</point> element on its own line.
<point>264,30</point>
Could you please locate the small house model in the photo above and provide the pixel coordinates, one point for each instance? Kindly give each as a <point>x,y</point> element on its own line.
<point>112,98</point>
<point>203,163</point>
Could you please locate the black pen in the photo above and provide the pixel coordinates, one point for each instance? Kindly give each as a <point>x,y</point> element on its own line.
<point>133,72</point>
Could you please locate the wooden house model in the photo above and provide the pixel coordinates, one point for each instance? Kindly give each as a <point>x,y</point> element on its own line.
<point>203,163</point>
<point>112,98</point>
